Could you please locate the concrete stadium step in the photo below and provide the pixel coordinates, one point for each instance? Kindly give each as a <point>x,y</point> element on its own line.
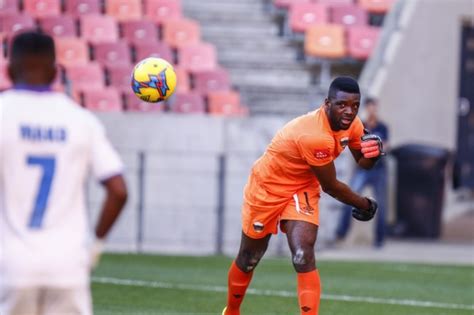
<point>276,77</point>
<point>241,31</point>
<point>256,56</point>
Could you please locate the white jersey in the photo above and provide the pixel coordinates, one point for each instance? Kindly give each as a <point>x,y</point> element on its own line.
<point>48,147</point>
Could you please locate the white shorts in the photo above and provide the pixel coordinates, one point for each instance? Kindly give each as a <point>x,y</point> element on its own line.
<point>45,301</point>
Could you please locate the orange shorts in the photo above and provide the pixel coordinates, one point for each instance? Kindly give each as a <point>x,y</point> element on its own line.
<point>262,211</point>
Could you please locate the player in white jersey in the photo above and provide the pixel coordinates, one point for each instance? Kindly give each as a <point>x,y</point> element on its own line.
<point>48,146</point>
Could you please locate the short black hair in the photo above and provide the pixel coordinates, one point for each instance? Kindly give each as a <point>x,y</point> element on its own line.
<point>344,84</point>
<point>32,42</point>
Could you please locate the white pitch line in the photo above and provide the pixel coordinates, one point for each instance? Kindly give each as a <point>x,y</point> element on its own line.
<point>280,293</point>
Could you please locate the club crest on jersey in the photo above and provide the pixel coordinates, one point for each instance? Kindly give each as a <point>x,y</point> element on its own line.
<point>258,227</point>
<point>344,141</point>
<point>321,154</point>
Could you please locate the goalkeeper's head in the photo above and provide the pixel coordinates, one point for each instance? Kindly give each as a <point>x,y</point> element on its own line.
<point>32,59</point>
<point>342,104</point>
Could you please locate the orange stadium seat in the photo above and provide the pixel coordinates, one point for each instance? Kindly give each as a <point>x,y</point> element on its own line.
<point>285,4</point>
<point>124,10</point>
<point>182,77</point>
<point>78,8</point>
<point>42,8</point>
<point>362,41</point>
<point>190,102</point>
<point>325,41</point>
<point>58,26</point>
<point>8,6</point>
<point>11,23</point>
<point>120,77</point>
<point>99,28</point>
<point>139,31</point>
<point>211,80</point>
<point>71,51</point>
<point>104,100</point>
<point>85,77</point>
<point>134,104</point>
<point>376,6</point>
<point>179,32</point>
<point>153,49</point>
<point>161,10</point>
<point>224,103</point>
<point>112,54</point>
<point>198,57</point>
<point>349,15</point>
<point>304,15</point>
<point>5,82</point>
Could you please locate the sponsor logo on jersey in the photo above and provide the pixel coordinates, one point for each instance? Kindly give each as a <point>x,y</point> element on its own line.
<point>321,154</point>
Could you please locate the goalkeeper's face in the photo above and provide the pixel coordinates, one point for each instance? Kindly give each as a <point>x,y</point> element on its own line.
<point>342,110</point>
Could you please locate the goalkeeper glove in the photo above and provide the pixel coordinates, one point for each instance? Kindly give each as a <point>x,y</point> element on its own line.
<point>372,146</point>
<point>368,214</point>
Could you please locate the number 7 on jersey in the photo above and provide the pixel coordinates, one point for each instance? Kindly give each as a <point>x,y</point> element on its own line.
<point>48,165</point>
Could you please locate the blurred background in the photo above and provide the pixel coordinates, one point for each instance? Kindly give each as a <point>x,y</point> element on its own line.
<point>244,69</point>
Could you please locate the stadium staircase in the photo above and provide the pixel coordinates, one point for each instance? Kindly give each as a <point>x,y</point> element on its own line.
<point>262,65</point>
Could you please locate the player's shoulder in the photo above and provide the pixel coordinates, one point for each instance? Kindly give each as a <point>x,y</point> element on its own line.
<point>313,130</point>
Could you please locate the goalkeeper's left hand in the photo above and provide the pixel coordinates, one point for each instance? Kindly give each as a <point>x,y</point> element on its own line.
<point>365,214</point>
<point>372,146</point>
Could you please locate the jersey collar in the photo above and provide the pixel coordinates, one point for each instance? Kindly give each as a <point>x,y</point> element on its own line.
<point>30,87</point>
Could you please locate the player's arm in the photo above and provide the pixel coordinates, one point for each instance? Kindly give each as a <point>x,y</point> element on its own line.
<point>364,208</point>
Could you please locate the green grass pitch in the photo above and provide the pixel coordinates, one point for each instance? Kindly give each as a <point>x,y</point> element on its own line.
<point>148,284</point>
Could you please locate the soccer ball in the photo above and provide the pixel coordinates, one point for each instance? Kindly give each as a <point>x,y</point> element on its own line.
<point>153,80</point>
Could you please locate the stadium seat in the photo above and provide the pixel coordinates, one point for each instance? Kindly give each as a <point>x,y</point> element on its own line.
<point>112,54</point>
<point>99,28</point>
<point>211,80</point>
<point>335,3</point>
<point>183,82</point>
<point>152,49</point>
<point>362,41</point>
<point>285,4</point>
<point>304,15</point>
<point>325,41</point>
<point>85,77</point>
<point>120,77</point>
<point>104,100</point>
<point>349,15</point>
<point>9,6</point>
<point>79,8</point>
<point>42,8</point>
<point>376,6</point>
<point>58,26</point>
<point>180,32</point>
<point>124,10</point>
<point>14,22</point>
<point>139,31</point>
<point>71,51</point>
<point>224,103</point>
<point>5,82</point>
<point>198,57</point>
<point>134,104</point>
<point>161,10</point>
<point>190,102</point>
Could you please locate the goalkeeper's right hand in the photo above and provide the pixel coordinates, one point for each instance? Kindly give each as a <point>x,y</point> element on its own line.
<point>367,214</point>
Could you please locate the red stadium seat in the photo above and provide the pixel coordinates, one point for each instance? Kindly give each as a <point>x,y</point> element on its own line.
<point>198,57</point>
<point>9,6</point>
<point>124,10</point>
<point>99,28</point>
<point>211,80</point>
<point>134,104</point>
<point>362,41</point>
<point>120,77</point>
<point>349,16</point>
<point>57,26</point>
<point>42,8</point>
<point>224,103</point>
<point>153,49</point>
<point>111,54</point>
<point>71,51</point>
<point>182,32</point>
<point>304,15</point>
<point>103,100</point>
<point>183,80</point>
<point>161,10</point>
<point>78,8</point>
<point>285,4</point>
<point>376,6</point>
<point>191,102</point>
<point>143,31</point>
<point>5,82</point>
<point>325,41</point>
<point>85,77</point>
<point>14,22</point>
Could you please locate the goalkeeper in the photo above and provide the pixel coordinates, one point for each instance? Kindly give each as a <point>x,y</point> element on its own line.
<point>284,189</point>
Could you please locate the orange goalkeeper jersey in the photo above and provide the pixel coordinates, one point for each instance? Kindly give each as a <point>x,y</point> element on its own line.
<point>307,140</point>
